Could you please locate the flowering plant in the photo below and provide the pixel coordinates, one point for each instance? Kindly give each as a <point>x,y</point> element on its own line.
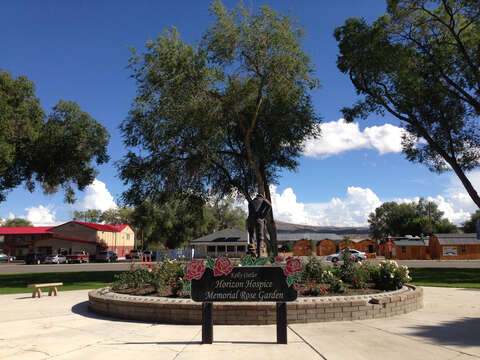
<point>389,276</point>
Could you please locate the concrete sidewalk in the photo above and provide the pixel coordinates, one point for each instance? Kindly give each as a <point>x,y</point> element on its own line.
<point>62,328</point>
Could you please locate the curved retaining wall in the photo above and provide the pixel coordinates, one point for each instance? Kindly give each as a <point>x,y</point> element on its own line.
<point>303,310</point>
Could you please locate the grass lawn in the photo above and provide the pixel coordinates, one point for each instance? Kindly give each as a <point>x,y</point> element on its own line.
<point>446,277</point>
<point>17,283</point>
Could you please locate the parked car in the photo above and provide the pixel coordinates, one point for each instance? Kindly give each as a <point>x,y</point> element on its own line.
<point>149,255</point>
<point>56,259</point>
<point>107,256</point>
<point>134,254</point>
<point>358,255</point>
<point>35,258</point>
<point>78,256</point>
<point>4,257</point>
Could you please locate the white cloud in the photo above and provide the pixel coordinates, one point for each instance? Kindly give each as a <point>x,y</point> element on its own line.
<point>11,216</point>
<point>340,136</point>
<point>96,196</point>
<point>353,210</point>
<point>41,216</point>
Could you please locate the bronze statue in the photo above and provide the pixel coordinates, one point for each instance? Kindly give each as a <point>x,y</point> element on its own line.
<point>258,210</point>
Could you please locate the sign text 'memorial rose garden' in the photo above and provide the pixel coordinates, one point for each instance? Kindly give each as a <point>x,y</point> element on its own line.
<point>217,280</point>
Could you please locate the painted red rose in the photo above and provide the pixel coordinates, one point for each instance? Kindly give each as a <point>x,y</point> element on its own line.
<point>294,266</point>
<point>278,259</point>
<point>296,286</point>
<point>195,270</point>
<point>222,265</point>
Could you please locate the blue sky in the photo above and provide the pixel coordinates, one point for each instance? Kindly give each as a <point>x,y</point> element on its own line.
<point>79,50</point>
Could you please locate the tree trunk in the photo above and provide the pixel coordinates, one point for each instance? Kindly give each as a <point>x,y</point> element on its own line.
<point>467,184</point>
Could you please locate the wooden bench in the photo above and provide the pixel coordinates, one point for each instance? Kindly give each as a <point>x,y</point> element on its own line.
<point>53,288</point>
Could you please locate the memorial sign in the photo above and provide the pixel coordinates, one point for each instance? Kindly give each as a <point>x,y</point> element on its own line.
<point>252,283</point>
<point>217,280</point>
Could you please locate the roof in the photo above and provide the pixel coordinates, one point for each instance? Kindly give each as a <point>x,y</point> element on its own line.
<point>101,227</point>
<point>294,236</point>
<point>458,239</point>
<point>20,230</point>
<point>409,242</point>
<point>290,228</point>
<point>225,235</point>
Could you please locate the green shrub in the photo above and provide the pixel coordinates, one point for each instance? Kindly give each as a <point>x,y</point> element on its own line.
<point>314,289</point>
<point>163,276</point>
<point>348,270</point>
<point>134,278</point>
<point>312,270</point>
<point>389,276</point>
<point>335,284</point>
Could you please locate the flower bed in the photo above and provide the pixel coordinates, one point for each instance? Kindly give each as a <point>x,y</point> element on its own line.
<point>326,293</point>
<point>303,310</point>
<point>173,279</point>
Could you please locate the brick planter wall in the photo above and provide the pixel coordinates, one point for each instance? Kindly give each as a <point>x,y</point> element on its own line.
<point>303,310</point>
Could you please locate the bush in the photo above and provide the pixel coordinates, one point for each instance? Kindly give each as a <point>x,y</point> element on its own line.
<point>312,270</point>
<point>134,278</point>
<point>335,284</point>
<point>348,269</point>
<point>314,289</point>
<point>389,276</point>
<point>164,276</point>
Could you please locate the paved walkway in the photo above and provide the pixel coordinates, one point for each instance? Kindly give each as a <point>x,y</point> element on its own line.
<point>62,328</point>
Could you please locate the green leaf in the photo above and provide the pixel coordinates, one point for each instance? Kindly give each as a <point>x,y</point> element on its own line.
<point>291,280</point>
<point>247,260</point>
<point>260,261</point>
<point>297,277</point>
<point>210,263</point>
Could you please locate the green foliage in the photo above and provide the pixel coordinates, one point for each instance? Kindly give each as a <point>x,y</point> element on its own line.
<point>90,215</point>
<point>314,289</point>
<point>347,270</point>
<point>415,218</point>
<point>312,270</point>
<point>163,276</point>
<point>335,284</point>
<point>17,222</point>
<point>470,226</point>
<point>389,276</point>
<point>135,278</point>
<point>420,63</point>
<point>54,150</point>
<point>222,117</point>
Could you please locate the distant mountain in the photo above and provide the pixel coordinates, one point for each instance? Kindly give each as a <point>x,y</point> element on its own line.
<point>287,227</point>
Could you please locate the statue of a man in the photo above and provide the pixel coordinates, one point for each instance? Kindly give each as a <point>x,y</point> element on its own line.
<point>258,210</point>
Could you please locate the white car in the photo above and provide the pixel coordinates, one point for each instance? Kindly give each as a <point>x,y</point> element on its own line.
<point>55,259</point>
<point>359,255</point>
<point>4,257</point>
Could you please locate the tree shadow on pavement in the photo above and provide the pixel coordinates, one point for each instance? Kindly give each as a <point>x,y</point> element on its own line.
<point>463,332</point>
<point>83,310</point>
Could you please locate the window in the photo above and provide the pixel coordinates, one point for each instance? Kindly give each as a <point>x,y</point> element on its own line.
<point>404,249</point>
<point>241,248</point>
<point>211,249</point>
<point>221,248</point>
<point>464,248</point>
<point>128,236</point>
<point>230,248</point>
